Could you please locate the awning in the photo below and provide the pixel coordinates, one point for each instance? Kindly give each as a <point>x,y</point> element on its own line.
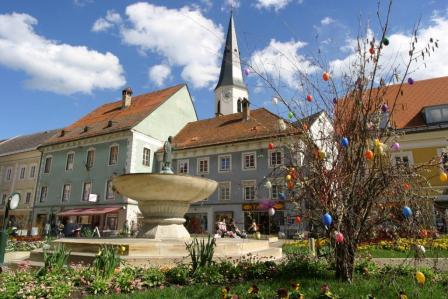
<point>88,211</point>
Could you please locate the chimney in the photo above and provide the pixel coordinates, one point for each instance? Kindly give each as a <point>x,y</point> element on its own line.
<point>126,98</point>
<point>246,110</point>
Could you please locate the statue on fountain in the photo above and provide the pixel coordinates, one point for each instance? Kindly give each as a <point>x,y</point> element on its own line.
<point>167,156</point>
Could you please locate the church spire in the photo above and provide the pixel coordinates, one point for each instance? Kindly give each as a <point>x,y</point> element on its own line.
<point>230,90</point>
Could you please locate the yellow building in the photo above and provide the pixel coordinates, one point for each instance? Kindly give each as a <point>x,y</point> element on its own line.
<point>421,114</point>
<point>19,170</point>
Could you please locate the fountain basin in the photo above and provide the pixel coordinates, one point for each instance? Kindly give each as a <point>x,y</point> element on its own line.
<point>163,200</point>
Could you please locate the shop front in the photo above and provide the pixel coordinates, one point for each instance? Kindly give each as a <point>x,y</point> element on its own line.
<point>266,224</point>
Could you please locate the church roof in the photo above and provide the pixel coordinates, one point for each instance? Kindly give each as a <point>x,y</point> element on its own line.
<point>231,128</point>
<point>231,60</point>
<point>111,117</point>
<point>24,143</point>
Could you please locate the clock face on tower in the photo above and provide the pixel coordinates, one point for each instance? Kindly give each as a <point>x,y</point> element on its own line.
<point>227,96</point>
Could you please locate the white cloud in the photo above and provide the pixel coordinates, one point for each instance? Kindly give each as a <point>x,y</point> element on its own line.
<point>326,21</point>
<point>397,53</point>
<point>228,4</point>
<point>183,37</point>
<point>52,66</point>
<point>275,4</point>
<point>82,3</point>
<point>282,61</point>
<point>102,24</point>
<point>159,73</point>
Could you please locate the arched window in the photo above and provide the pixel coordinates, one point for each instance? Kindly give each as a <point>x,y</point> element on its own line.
<point>218,108</point>
<point>239,106</point>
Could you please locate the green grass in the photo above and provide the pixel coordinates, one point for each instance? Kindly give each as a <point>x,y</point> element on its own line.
<point>381,287</point>
<point>390,253</point>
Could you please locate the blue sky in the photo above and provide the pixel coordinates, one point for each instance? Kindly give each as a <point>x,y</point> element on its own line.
<point>61,59</point>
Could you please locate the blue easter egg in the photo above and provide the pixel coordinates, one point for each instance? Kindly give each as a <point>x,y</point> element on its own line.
<point>327,219</point>
<point>281,196</point>
<point>344,142</point>
<point>407,212</point>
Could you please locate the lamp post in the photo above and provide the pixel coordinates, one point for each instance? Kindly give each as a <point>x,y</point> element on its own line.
<point>11,204</point>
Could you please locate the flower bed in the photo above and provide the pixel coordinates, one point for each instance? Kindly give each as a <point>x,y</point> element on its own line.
<point>17,245</point>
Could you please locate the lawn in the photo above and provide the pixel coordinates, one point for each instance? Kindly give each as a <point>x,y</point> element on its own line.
<point>381,287</point>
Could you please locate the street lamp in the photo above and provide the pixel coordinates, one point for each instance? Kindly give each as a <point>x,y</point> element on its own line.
<point>11,204</point>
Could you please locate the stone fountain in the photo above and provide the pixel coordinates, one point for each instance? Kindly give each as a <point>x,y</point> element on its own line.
<point>163,199</point>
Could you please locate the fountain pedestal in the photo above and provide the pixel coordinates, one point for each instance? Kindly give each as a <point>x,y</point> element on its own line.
<point>164,199</point>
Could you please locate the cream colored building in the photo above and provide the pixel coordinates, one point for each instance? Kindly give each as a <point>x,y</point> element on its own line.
<point>19,169</point>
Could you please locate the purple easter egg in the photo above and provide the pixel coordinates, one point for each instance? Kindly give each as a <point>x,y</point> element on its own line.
<point>410,81</point>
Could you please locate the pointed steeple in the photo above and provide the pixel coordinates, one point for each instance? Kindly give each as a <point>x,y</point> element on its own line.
<point>230,90</point>
<point>231,74</point>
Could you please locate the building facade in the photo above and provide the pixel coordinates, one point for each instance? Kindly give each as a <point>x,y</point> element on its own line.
<point>75,178</point>
<point>19,169</point>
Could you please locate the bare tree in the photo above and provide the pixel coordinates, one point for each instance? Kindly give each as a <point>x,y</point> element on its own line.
<point>348,182</point>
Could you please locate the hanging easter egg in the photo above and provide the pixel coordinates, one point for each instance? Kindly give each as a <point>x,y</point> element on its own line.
<point>335,101</point>
<point>410,81</point>
<point>443,177</point>
<point>407,212</point>
<point>268,184</point>
<point>420,249</point>
<point>385,41</point>
<point>327,220</point>
<point>384,108</point>
<point>290,185</point>
<point>297,220</point>
<point>344,142</point>
<point>339,237</point>
<point>288,177</point>
<point>309,98</point>
<point>372,50</point>
<point>281,124</point>
<point>377,142</point>
<point>270,146</point>
<point>395,146</point>
<point>322,155</point>
<point>247,71</point>
<point>368,155</point>
<point>281,196</point>
<point>290,114</point>
<point>423,233</point>
<point>406,186</point>
<point>326,76</point>
<point>420,277</point>
<point>274,100</point>
<point>305,127</point>
<point>271,212</point>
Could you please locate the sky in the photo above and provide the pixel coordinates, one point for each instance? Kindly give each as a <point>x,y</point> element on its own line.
<point>59,60</point>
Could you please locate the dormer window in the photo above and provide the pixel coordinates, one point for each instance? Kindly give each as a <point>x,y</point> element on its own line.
<point>435,114</point>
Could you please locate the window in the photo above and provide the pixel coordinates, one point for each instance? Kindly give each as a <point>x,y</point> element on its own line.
<point>87,188</point>
<point>203,165</point>
<point>66,192</point>
<point>436,114</point>
<point>32,171</point>
<point>275,158</point>
<point>43,193</point>
<point>4,196</point>
<point>276,190</point>
<point>8,174</point>
<point>90,158</point>
<point>224,191</point>
<point>403,158</point>
<point>182,166</point>
<point>22,172</point>
<point>111,222</point>
<point>47,166</point>
<point>225,163</point>
<point>249,161</point>
<point>28,197</point>
<point>113,155</point>
<point>249,190</point>
<point>109,190</point>
<point>70,161</point>
<point>146,156</point>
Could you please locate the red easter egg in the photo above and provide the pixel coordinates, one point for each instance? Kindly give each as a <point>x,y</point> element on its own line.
<point>309,98</point>
<point>298,220</point>
<point>372,50</point>
<point>270,146</point>
<point>326,76</point>
<point>406,186</point>
<point>368,155</point>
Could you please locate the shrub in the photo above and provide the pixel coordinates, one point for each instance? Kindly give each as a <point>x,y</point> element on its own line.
<point>99,286</point>
<point>400,270</point>
<point>229,270</point>
<point>55,260</point>
<point>366,266</point>
<point>126,281</point>
<point>178,275</point>
<point>208,275</point>
<point>106,261</point>
<point>153,277</point>
<point>201,253</point>
<point>87,232</point>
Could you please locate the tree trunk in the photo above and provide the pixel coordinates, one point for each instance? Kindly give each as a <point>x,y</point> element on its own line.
<point>345,261</point>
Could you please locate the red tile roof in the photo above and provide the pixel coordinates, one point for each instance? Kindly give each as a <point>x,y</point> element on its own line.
<point>231,128</point>
<point>121,118</point>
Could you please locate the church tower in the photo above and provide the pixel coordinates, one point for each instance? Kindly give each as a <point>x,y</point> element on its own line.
<point>230,90</point>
